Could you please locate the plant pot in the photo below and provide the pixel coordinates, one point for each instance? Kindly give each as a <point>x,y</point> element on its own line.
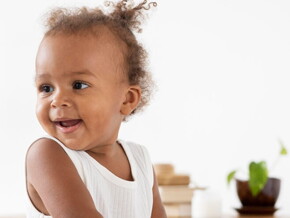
<point>266,198</point>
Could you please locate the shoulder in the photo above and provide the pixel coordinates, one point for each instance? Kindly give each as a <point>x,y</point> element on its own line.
<point>142,158</point>
<point>52,154</point>
<point>43,144</point>
<point>44,148</point>
<point>134,147</point>
<point>53,176</point>
<point>139,152</point>
<point>43,156</point>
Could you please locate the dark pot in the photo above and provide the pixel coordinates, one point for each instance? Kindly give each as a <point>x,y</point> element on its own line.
<point>267,197</point>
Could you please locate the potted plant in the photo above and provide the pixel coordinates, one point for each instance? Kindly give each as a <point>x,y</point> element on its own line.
<point>260,190</point>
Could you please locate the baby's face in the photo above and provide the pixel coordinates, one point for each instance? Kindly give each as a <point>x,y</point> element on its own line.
<point>81,89</point>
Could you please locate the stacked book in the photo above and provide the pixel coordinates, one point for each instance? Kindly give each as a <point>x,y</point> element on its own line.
<point>175,191</point>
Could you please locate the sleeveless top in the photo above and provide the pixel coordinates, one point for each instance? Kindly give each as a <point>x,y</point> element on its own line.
<point>113,197</point>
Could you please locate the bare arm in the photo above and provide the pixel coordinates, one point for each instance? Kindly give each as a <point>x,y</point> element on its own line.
<point>55,179</point>
<point>158,210</point>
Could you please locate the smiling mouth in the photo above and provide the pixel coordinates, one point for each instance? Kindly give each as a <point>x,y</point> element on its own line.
<point>68,126</point>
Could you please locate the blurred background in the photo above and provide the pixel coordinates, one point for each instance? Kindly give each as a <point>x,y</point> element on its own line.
<point>223,96</point>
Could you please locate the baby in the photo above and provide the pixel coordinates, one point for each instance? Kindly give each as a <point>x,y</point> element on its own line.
<point>90,77</point>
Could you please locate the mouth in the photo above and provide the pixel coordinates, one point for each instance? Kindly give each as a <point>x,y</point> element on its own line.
<point>68,126</point>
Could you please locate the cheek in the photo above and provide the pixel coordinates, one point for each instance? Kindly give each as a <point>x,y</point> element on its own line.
<point>100,114</point>
<point>41,111</point>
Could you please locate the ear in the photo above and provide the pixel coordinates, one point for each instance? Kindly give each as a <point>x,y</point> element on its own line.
<point>132,99</point>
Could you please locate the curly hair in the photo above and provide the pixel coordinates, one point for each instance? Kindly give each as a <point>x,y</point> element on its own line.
<point>123,19</point>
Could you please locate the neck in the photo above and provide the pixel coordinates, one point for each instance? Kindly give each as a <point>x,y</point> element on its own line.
<point>104,151</point>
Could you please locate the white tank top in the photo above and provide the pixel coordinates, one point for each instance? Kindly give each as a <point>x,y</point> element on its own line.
<point>113,196</point>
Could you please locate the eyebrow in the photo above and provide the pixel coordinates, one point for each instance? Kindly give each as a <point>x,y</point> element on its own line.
<point>47,75</point>
<point>84,72</point>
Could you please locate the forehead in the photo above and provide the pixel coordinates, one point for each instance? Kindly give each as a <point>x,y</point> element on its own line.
<point>98,51</point>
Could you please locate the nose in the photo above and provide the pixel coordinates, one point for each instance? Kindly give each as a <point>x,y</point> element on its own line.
<point>60,99</point>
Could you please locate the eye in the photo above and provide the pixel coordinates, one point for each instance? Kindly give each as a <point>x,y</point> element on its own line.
<point>46,88</point>
<point>80,85</point>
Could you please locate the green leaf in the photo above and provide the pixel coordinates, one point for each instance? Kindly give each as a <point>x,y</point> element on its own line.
<point>230,176</point>
<point>258,176</point>
<point>283,150</point>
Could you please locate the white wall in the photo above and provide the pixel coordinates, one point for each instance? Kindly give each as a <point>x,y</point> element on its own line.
<point>222,70</point>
